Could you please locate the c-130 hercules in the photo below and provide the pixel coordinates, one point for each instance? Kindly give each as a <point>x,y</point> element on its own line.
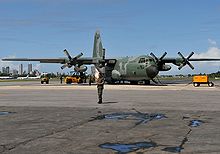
<point>133,69</point>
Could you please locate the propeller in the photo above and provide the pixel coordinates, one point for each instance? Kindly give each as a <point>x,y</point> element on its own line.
<point>67,53</point>
<point>158,60</point>
<point>71,61</point>
<point>185,61</point>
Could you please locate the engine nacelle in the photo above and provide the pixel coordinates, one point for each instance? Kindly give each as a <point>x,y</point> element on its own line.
<point>80,69</point>
<point>116,75</point>
<point>165,68</point>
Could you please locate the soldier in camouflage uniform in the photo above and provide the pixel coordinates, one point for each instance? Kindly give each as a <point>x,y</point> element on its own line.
<point>100,87</point>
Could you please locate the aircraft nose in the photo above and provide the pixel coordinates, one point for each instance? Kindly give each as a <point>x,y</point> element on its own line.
<point>152,71</point>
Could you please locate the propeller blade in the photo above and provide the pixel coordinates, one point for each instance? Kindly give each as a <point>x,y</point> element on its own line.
<point>181,66</point>
<point>154,56</point>
<point>181,56</point>
<point>165,53</point>
<point>67,53</point>
<point>190,65</point>
<point>78,56</point>
<point>190,55</point>
<point>64,66</point>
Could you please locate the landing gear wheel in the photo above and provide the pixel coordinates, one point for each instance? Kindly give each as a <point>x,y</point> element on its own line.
<point>133,82</point>
<point>147,82</point>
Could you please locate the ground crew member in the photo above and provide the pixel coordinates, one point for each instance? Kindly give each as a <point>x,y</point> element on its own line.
<point>90,80</point>
<point>61,79</point>
<point>100,87</point>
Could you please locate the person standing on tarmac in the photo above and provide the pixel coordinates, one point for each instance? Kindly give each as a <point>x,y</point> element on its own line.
<point>100,86</point>
<point>61,79</point>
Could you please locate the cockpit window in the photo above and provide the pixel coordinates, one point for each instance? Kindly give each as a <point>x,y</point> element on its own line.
<point>142,60</point>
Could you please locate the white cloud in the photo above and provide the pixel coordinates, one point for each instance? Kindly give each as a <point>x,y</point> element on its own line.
<point>212,42</point>
<point>212,52</point>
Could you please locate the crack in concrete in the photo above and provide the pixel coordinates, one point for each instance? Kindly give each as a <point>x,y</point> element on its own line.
<point>185,139</point>
<point>177,149</point>
<point>8,147</point>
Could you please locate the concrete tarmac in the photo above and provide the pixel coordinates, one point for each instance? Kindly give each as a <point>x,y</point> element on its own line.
<point>54,118</point>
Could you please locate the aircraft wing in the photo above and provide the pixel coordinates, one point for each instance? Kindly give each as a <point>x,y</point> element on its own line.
<point>65,61</point>
<point>174,60</point>
<point>43,60</point>
<point>181,62</point>
<point>81,61</point>
<point>54,60</point>
<point>205,59</point>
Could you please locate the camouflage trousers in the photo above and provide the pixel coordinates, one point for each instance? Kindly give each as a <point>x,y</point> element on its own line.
<point>100,91</point>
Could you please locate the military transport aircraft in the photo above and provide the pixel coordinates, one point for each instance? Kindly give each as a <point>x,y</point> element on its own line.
<point>133,69</point>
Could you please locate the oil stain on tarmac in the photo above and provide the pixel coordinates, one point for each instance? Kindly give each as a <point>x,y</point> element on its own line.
<point>173,149</point>
<point>125,148</point>
<point>139,117</point>
<point>142,118</point>
<point>195,123</point>
<point>4,113</point>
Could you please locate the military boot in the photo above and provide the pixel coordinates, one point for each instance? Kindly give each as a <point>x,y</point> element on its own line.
<point>100,101</point>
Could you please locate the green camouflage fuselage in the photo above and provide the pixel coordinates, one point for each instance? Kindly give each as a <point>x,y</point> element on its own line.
<point>134,69</point>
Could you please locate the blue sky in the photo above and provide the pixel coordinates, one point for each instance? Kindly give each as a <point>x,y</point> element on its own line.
<point>43,28</point>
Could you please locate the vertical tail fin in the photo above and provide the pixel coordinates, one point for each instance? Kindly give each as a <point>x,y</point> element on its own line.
<point>98,51</point>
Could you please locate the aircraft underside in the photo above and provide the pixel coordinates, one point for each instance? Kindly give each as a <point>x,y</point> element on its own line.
<point>131,81</point>
<point>115,76</point>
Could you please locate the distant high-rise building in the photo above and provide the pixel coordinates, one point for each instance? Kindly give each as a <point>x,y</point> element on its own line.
<point>7,70</point>
<point>3,70</point>
<point>20,69</point>
<point>14,72</point>
<point>29,68</point>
